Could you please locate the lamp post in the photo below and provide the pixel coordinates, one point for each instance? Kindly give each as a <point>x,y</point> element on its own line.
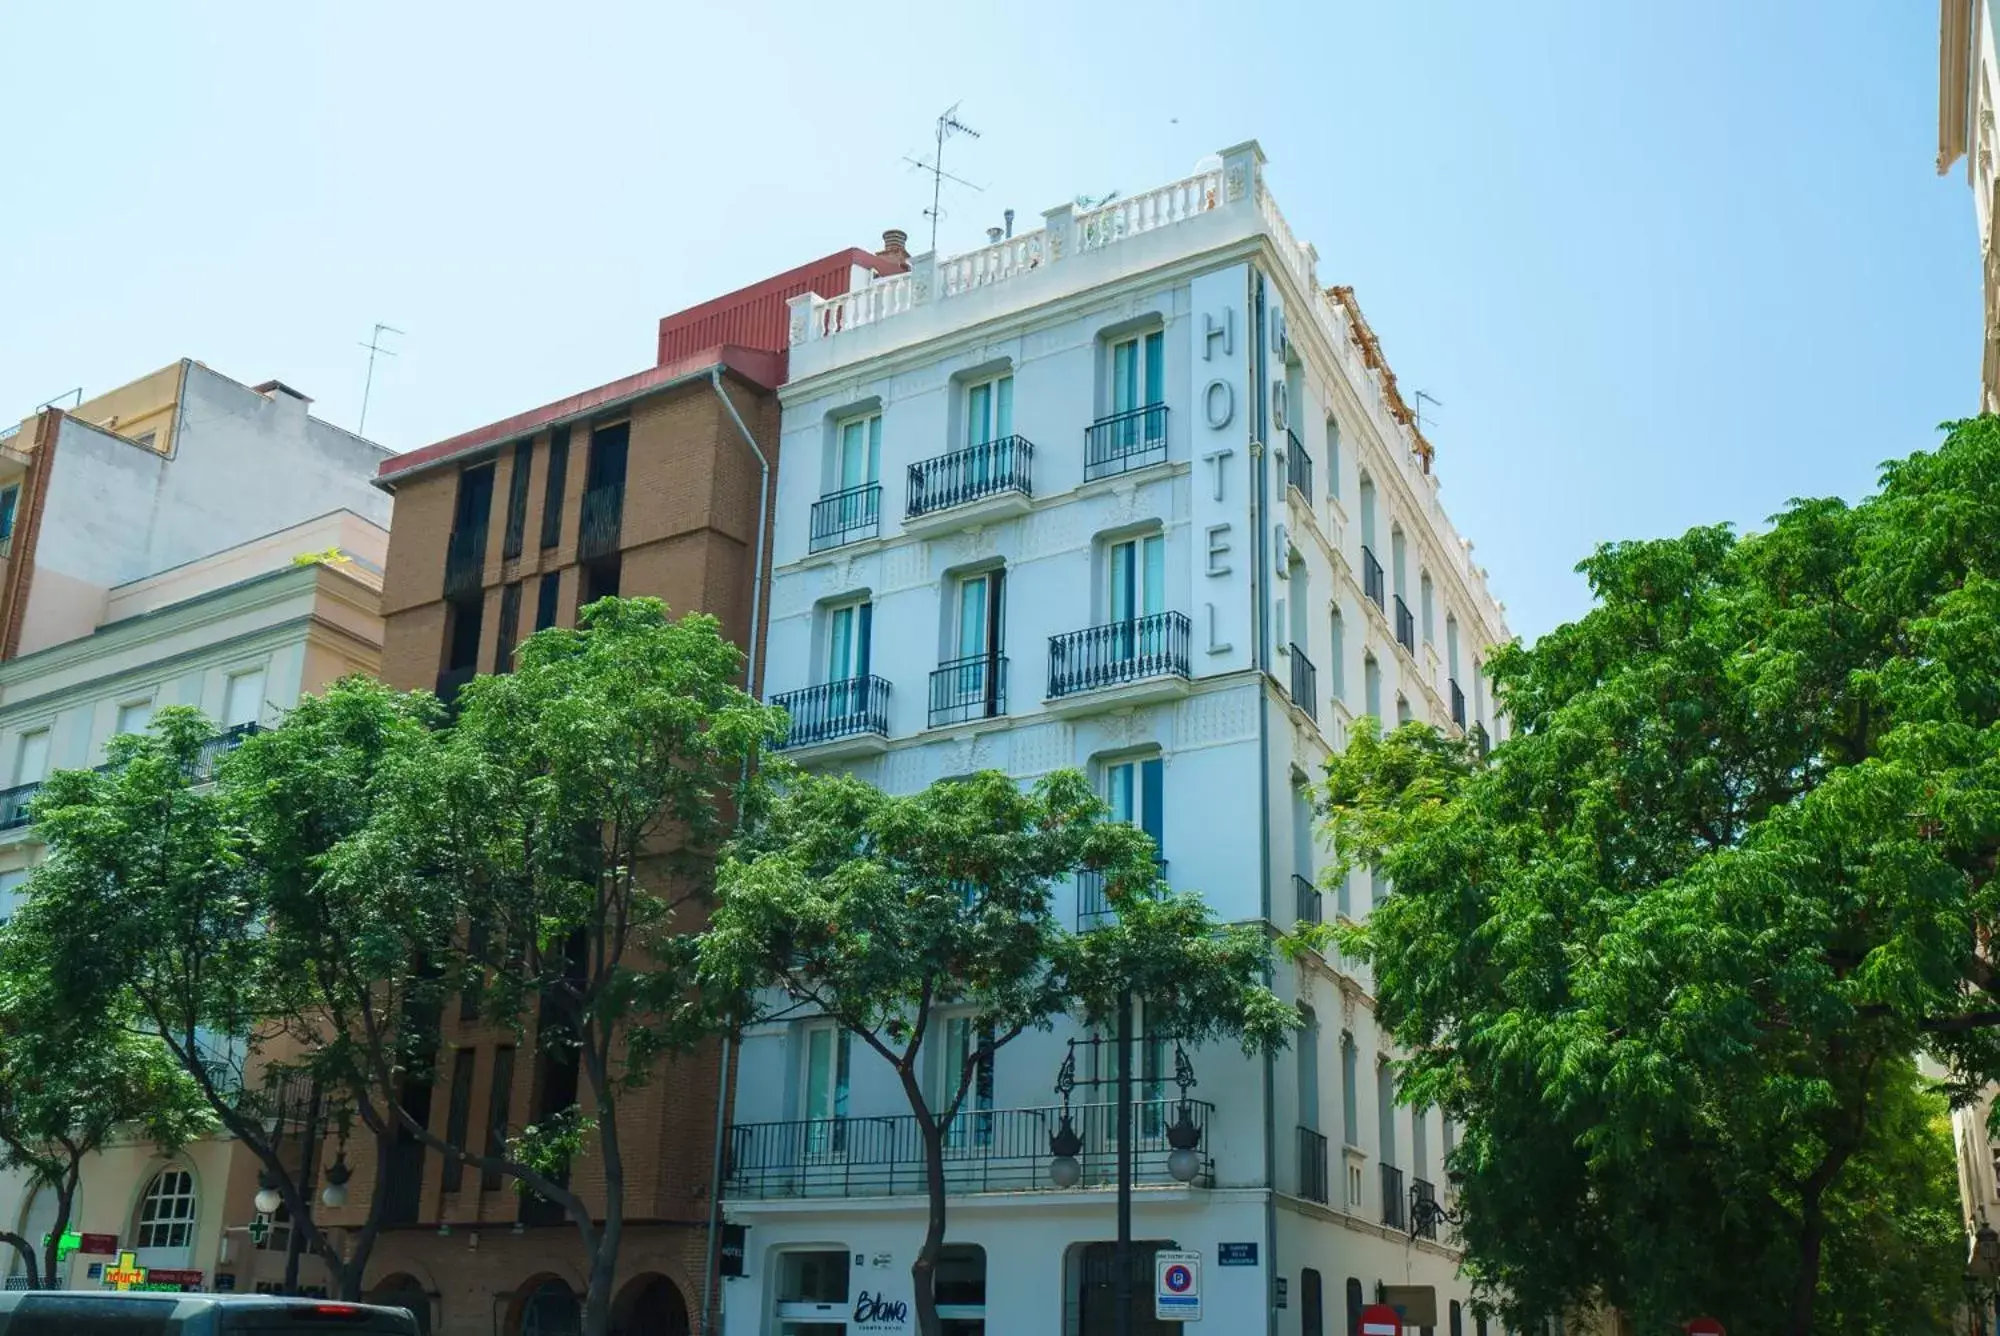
<point>1184,1138</point>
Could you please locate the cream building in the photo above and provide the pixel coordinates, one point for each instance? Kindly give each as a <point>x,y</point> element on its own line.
<point>1968,92</point>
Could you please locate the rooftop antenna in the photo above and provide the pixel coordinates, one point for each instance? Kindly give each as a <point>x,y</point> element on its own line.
<point>374,346</point>
<point>1423,397</point>
<point>947,125</point>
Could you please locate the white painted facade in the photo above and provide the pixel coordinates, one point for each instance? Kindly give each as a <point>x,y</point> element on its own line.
<point>1224,326</point>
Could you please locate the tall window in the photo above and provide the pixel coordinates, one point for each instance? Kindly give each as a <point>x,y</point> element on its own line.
<point>1398,564</point>
<point>1138,372</point>
<point>1350,1078</point>
<point>517,500</point>
<point>970,686</point>
<point>989,411</point>
<point>133,716</point>
<point>1136,577</point>
<point>1371,686</point>
<point>1332,457</point>
<point>1337,661</point>
<point>1478,695</point>
<point>499,1095</point>
<point>827,1057</point>
<point>1428,598</point>
<point>963,1037</point>
<point>10,499</point>
<point>31,757</point>
<point>1308,1043</point>
<point>1368,515</point>
<point>849,630</point>
<point>1402,708</point>
<point>552,487</point>
<point>458,1114</point>
<point>1385,1110</point>
<point>1451,645</point>
<point>510,628</point>
<point>546,595</point>
<point>167,1213</point>
<point>1420,1143</point>
<point>1134,791</point>
<point>243,698</point>
<point>859,456</point>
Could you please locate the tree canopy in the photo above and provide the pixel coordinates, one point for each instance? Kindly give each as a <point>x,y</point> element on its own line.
<point>1670,951</point>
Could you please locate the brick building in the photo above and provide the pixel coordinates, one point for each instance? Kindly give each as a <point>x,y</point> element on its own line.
<point>654,485</point>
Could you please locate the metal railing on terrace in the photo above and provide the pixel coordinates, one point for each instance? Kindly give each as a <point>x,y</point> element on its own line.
<point>978,471</point>
<point>835,710</point>
<point>1119,652</point>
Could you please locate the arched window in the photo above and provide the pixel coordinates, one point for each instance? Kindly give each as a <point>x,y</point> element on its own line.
<point>166,1214</point>
<point>1457,1319</point>
<point>1354,1307</point>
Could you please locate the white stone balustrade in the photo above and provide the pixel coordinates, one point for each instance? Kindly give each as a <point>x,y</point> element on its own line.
<point>1169,204</point>
<point>990,264</point>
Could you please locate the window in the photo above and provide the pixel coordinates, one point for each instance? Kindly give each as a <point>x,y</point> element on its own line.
<point>1420,1143</point>
<point>858,458</point>
<point>243,698</point>
<point>1371,687</point>
<point>959,1285</point>
<point>1478,696</point>
<point>12,887</point>
<point>31,757</point>
<point>1457,1326</point>
<point>829,1051</point>
<point>1450,1144</point>
<point>1354,1306</point>
<point>517,500</point>
<point>1332,457</point>
<point>1367,503</point>
<point>500,1094</point>
<point>1136,577</point>
<point>1133,790</point>
<point>1451,645</point>
<point>1312,1304</point>
<point>1350,1067</point>
<point>968,683</point>
<point>1337,660</point>
<point>552,488</point>
<point>458,1115</point>
<point>1402,709</point>
<point>989,411</point>
<point>849,631</point>
<point>133,716</point>
<point>1428,598</point>
<point>1399,563</point>
<point>546,595</point>
<point>166,1215</point>
<point>973,1126</point>
<point>10,500</point>
<point>1308,1045</point>
<point>510,628</point>
<point>1138,373</point>
<point>1385,1111</point>
<point>812,1293</point>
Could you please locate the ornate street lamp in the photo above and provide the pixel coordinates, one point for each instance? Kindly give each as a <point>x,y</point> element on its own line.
<point>268,1197</point>
<point>337,1174</point>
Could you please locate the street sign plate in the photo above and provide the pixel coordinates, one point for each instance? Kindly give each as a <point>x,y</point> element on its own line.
<point>1236,1254</point>
<point>1177,1291</point>
<point>1381,1320</point>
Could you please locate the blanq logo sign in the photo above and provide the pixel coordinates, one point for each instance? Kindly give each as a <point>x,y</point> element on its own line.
<point>878,1312</point>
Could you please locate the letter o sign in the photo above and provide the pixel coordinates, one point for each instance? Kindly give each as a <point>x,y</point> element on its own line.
<point>1218,404</point>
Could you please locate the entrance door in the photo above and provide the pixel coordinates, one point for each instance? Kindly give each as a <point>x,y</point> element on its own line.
<point>1091,1293</point>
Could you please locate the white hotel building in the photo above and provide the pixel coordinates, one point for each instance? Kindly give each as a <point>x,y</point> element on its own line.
<point>1130,493</point>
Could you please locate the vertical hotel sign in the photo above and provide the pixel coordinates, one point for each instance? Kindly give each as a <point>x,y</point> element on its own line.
<point>1222,544</point>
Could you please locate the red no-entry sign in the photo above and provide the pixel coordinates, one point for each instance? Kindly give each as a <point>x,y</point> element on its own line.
<point>1381,1320</point>
<point>1705,1326</point>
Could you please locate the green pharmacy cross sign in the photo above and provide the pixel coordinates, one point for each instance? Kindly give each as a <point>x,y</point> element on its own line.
<point>70,1242</point>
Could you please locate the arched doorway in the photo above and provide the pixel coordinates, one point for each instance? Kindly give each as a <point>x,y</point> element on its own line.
<point>551,1309</point>
<point>650,1306</point>
<point>404,1291</point>
<point>36,1222</point>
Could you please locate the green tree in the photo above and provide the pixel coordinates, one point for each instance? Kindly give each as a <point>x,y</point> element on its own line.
<point>877,911</point>
<point>1670,951</point>
<point>572,814</point>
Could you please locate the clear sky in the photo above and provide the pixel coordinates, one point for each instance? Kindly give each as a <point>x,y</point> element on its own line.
<point>1664,263</point>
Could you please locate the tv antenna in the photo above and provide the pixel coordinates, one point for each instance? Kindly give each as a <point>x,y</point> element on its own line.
<point>374,346</point>
<point>947,125</point>
<point>1423,397</point>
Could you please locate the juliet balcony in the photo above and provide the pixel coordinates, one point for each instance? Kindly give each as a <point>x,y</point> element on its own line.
<point>845,718</point>
<point>971,486</point>
<point>1120,663</point>
<point>986,1150</point>
<point>1125,441</point>
<point>974,687</point>
<point>846,516</point>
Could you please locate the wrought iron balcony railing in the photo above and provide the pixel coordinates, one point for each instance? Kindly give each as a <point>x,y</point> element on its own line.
<point>464,560</point>
<point>832,710</point>
<point>603,518</point>
<point>846,517</point>
<point>986,1150</point>
<point>1406,626</point>
<point>1125,441</point>
<point>1313,1183</point>
<point>1310,902</point>
<point>1423,1209</point>
<point>974,687</point>
<point>14,802</point>
<point>1393,1205</point>
<point>983,470</point>
<point>1119,652</point>
<point>1093,900</point>
<point>1305,683</point>
<point>1371,577</point>
<point>1298,465</point>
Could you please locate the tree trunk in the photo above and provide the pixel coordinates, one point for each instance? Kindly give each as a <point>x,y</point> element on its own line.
<point>65,1202</point>
<point>923,1270</point>
<point>604,1261</point>
<point>1812,1236</point>
<point>28,1258</point>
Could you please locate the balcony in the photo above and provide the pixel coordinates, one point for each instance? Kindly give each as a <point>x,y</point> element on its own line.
<point>14,802</point>
<point>14,805</point>
<point>967,486</point>
<point>1406,626</point>
<point>1424,1216</point>
<point>969,688</point>
<point>465,561</point>
<point>1310,902</point>
<point>1314,1184</point>
<point>1305,684</point>
<point>1145,658</point>
<point>1093,901</point>
<point>846,517</point>
<point>1393,1208</point>
<point>1371,577</point>
<point>1298,466</point>
<point>1457,704</point>
<point>986,1150</point>
<point>603,517</point>
<point>1125,441</point>
<point>845,717</point>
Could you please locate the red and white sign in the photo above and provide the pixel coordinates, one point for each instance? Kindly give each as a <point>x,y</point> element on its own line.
<point>1381,1320</point>
<point>1705,1326</point>
<point>98,1244</point>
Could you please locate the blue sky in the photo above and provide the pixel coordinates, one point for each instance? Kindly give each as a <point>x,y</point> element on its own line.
<point>1664,264</point>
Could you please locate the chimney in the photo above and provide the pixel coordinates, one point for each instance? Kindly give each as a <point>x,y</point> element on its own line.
<point>993,236</point>
<point>894,257</point>
<point>1009,216</point>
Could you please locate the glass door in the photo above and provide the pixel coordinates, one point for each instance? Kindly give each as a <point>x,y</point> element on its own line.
<point>828,1051</point>
<point>978,613</point>
<point>848,633</point>
<point>973,1127</point>
<point>1137,595</point>
<point>1138,381</point>
<point>860,452</point>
